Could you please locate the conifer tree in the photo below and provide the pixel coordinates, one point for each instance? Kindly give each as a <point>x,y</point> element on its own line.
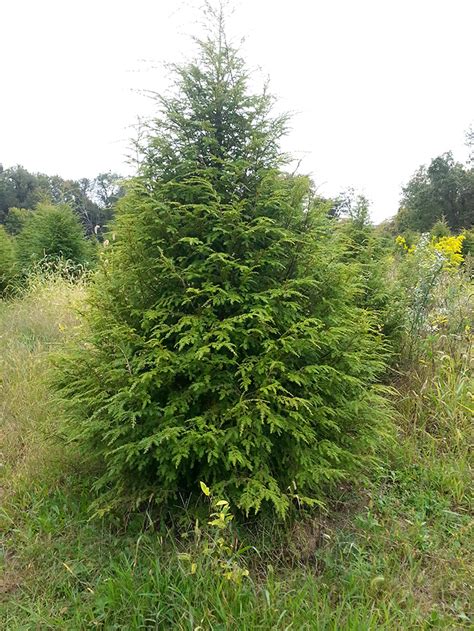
<point>52,232</point>
<point>7,260</point>
<point>366,248</point>
<point>223,341</point>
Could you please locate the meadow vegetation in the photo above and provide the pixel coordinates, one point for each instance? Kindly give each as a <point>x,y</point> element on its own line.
<point>393,553</point>
<point>254,412</point>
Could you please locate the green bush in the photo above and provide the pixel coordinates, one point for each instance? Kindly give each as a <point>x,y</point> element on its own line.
<point>371,251</point>
<point>468,243</point>
<point>7,260</point>
<point>440,229</point>
<point>16,219</point>
<point>224,340</point>
<point>52,233</point>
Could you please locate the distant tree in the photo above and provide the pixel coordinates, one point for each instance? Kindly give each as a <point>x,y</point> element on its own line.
<point>369,247</point>
<point>16,220</point>
<point>440,229</point>
<point>78,195</point>
<point>53,232</point>
<point>350,205</point>
<point>21,189</point>
<point>107,189</point>
<point>470,144</point>
<point>387,229</point>
<point>340,205</point>
<point>443,189</point>
<point>92,200</point>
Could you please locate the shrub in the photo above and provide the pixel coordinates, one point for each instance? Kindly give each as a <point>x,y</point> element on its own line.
<point>16,219</point>
<point>7,260</point>
<point>440,229</point>
<point>369,250</point>
<point>53,233</point>
<point>224,342</point>
<point>468,243</point>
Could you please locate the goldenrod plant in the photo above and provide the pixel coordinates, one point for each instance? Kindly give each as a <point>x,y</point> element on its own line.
<point>423,268</point>
<point>216,543</point>
<point>451,248</point>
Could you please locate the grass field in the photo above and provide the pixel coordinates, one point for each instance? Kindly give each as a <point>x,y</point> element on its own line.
<point>396,554</point>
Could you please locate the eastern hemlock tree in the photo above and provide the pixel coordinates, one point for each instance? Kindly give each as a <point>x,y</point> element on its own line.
<point>52,233</point>
<point>368,249</point>
<point>7,261</point>
<point>16,219</point>
<point>468,245</point>
<point>223,342</point>
<point>440,229</point>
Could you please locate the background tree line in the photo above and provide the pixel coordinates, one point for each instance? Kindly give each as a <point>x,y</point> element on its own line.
<point>441,191</point>
<point>92,200</point>
<point>439,195</point>
<point>47,219</point>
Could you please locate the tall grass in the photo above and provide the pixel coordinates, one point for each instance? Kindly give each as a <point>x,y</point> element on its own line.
<point>394,555</point>
<point>30,328</point>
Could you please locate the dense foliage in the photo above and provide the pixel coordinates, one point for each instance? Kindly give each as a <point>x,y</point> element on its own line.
<point>62,569</point>
<point>52,233</point>
<point>7,260</point>
<point>16,219</point>
<point>371,252</point>
<point>225,342</point>
<point>92,200</point>
<point>443,189</point>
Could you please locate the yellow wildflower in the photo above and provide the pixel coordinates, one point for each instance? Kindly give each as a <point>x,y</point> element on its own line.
<point>451,248</point>
<point>401,242</point>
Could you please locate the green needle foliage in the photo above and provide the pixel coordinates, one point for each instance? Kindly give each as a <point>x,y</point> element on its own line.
<point>224,341</point>
<point>7,260</point>
<point>367,249</point>
<point>52,233</point>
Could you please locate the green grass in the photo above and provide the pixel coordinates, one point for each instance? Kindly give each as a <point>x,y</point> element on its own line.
<point>395,555</point>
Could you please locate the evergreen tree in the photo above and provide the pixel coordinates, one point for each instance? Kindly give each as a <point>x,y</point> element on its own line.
<point>16,219</point>
<point>440,229</point>
<point>369,250</point>
<point>52,232</point>
<point>224,342</point>
<point>7,260</point>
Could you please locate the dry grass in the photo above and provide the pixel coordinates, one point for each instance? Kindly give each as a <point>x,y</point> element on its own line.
<point>30,328</point>
<point>395,556</point>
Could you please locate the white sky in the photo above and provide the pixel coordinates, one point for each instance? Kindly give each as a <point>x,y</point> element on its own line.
<point>378,86</point>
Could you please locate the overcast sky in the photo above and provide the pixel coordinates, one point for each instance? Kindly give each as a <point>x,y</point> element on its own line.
<point>378,87</point>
